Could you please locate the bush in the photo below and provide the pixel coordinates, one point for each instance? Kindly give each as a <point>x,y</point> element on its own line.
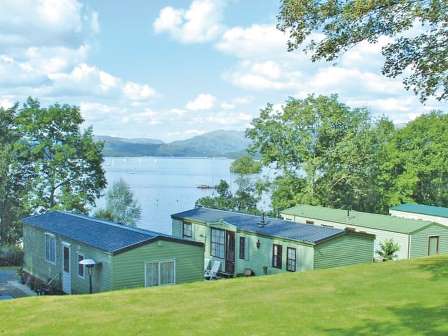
<point>11,255</point>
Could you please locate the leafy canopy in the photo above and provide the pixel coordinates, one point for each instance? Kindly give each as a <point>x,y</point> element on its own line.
<point>417,29</point>
<point>418,161</point>
<point>15,176</point>
<point>66,162</point>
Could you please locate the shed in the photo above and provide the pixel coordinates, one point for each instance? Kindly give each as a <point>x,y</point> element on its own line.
<point>416,238</point>
<point>125,257</point>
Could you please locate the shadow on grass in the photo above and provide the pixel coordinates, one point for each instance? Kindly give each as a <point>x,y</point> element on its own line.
<point>438,268</point>
<point>413,320</point>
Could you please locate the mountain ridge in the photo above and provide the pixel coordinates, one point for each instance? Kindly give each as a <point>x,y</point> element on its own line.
<point>219,143</point>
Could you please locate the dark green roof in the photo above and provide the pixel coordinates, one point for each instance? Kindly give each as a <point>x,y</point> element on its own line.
<point>363,219</point>
<point>422,209</point>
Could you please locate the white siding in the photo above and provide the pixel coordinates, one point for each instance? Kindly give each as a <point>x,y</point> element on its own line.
<point>400,238</point>
<point>435,219</point>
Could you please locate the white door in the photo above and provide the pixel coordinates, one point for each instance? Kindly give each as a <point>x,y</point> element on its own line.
<point>66,269</point>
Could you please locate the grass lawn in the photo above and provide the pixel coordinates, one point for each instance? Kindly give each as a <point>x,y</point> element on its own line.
<point>395,298</point>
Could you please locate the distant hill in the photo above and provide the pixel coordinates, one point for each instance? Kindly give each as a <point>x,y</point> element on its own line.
<point>219,143</point>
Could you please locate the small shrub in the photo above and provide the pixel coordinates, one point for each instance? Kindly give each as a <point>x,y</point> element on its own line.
<point>11,255</point>
<point>388,250</point>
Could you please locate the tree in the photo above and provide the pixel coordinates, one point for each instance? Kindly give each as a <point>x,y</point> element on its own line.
<point>417,161</point>
<point>418,47</point>
<point>246,197</point>
<point>245,165</point>
<point>388,249</point>
<point>326,153</point>
<point>15,176</point>
<point>224,200</point>
<point>121,207</point>
<point>67,162</point>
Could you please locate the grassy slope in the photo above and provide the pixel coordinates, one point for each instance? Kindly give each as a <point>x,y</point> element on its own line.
<point>398,298</point>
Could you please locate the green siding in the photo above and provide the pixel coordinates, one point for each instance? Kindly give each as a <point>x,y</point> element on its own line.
<point>419,240</point>
<point>129,267</point>
<point>346,250</point>
<point>343,251</point>
<point>35,263</point>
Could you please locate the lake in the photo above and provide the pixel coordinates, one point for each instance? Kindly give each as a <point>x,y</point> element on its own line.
<point>164,186</point>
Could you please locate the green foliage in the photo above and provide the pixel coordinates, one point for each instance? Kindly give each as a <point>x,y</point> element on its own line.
<point>15,176</point>
<point>245,165</point>
<point>327,153</point>
<point>66,162</point>
<point>388,250</point>
<point>121,207</point>
<point>243,200</point>
<point>417,161</point>
<point>418,47</point>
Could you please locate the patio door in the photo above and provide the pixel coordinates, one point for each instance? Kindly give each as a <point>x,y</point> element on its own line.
<point>160,273</point>
<point>66,269</point>
<point>230,252</point>
<point>433,245</point>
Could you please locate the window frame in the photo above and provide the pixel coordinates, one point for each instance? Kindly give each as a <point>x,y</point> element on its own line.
<point>223,244</point>
<point>277,251</point>
<point>83,276</point>
<point>242,248</point>
<point>183,230</point>
<point>51,238</point>
<point>289,259</point>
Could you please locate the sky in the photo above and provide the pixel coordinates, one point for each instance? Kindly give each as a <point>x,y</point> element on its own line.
<point>170,70</point>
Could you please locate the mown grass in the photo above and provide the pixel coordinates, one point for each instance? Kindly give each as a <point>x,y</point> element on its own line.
<point>395,298</point>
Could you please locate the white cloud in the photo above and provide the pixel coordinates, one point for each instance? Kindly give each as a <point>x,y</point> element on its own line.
<point>87,80</point>
<point>201,22</point>
<point>45,22</point>
<point>256,41</point>
<point>264,64</point>
<point>203,101</point>
<point>227,106</point>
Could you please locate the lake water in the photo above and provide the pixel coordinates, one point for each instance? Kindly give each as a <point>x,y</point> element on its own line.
<point>164,186</point>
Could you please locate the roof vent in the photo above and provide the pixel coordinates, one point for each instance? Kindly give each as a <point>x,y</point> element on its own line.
<point>263,222</point>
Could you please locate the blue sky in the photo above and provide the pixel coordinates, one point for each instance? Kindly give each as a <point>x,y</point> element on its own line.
<point>174,69</point>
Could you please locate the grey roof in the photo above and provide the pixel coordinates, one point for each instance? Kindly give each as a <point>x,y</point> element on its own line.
<point>100,234</point>
<point>275,227</point>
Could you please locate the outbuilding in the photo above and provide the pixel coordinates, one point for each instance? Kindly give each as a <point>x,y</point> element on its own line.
<point>420,211</point>
<point>416,238</point>
<point>125,257</point>
<point>259,245</point>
